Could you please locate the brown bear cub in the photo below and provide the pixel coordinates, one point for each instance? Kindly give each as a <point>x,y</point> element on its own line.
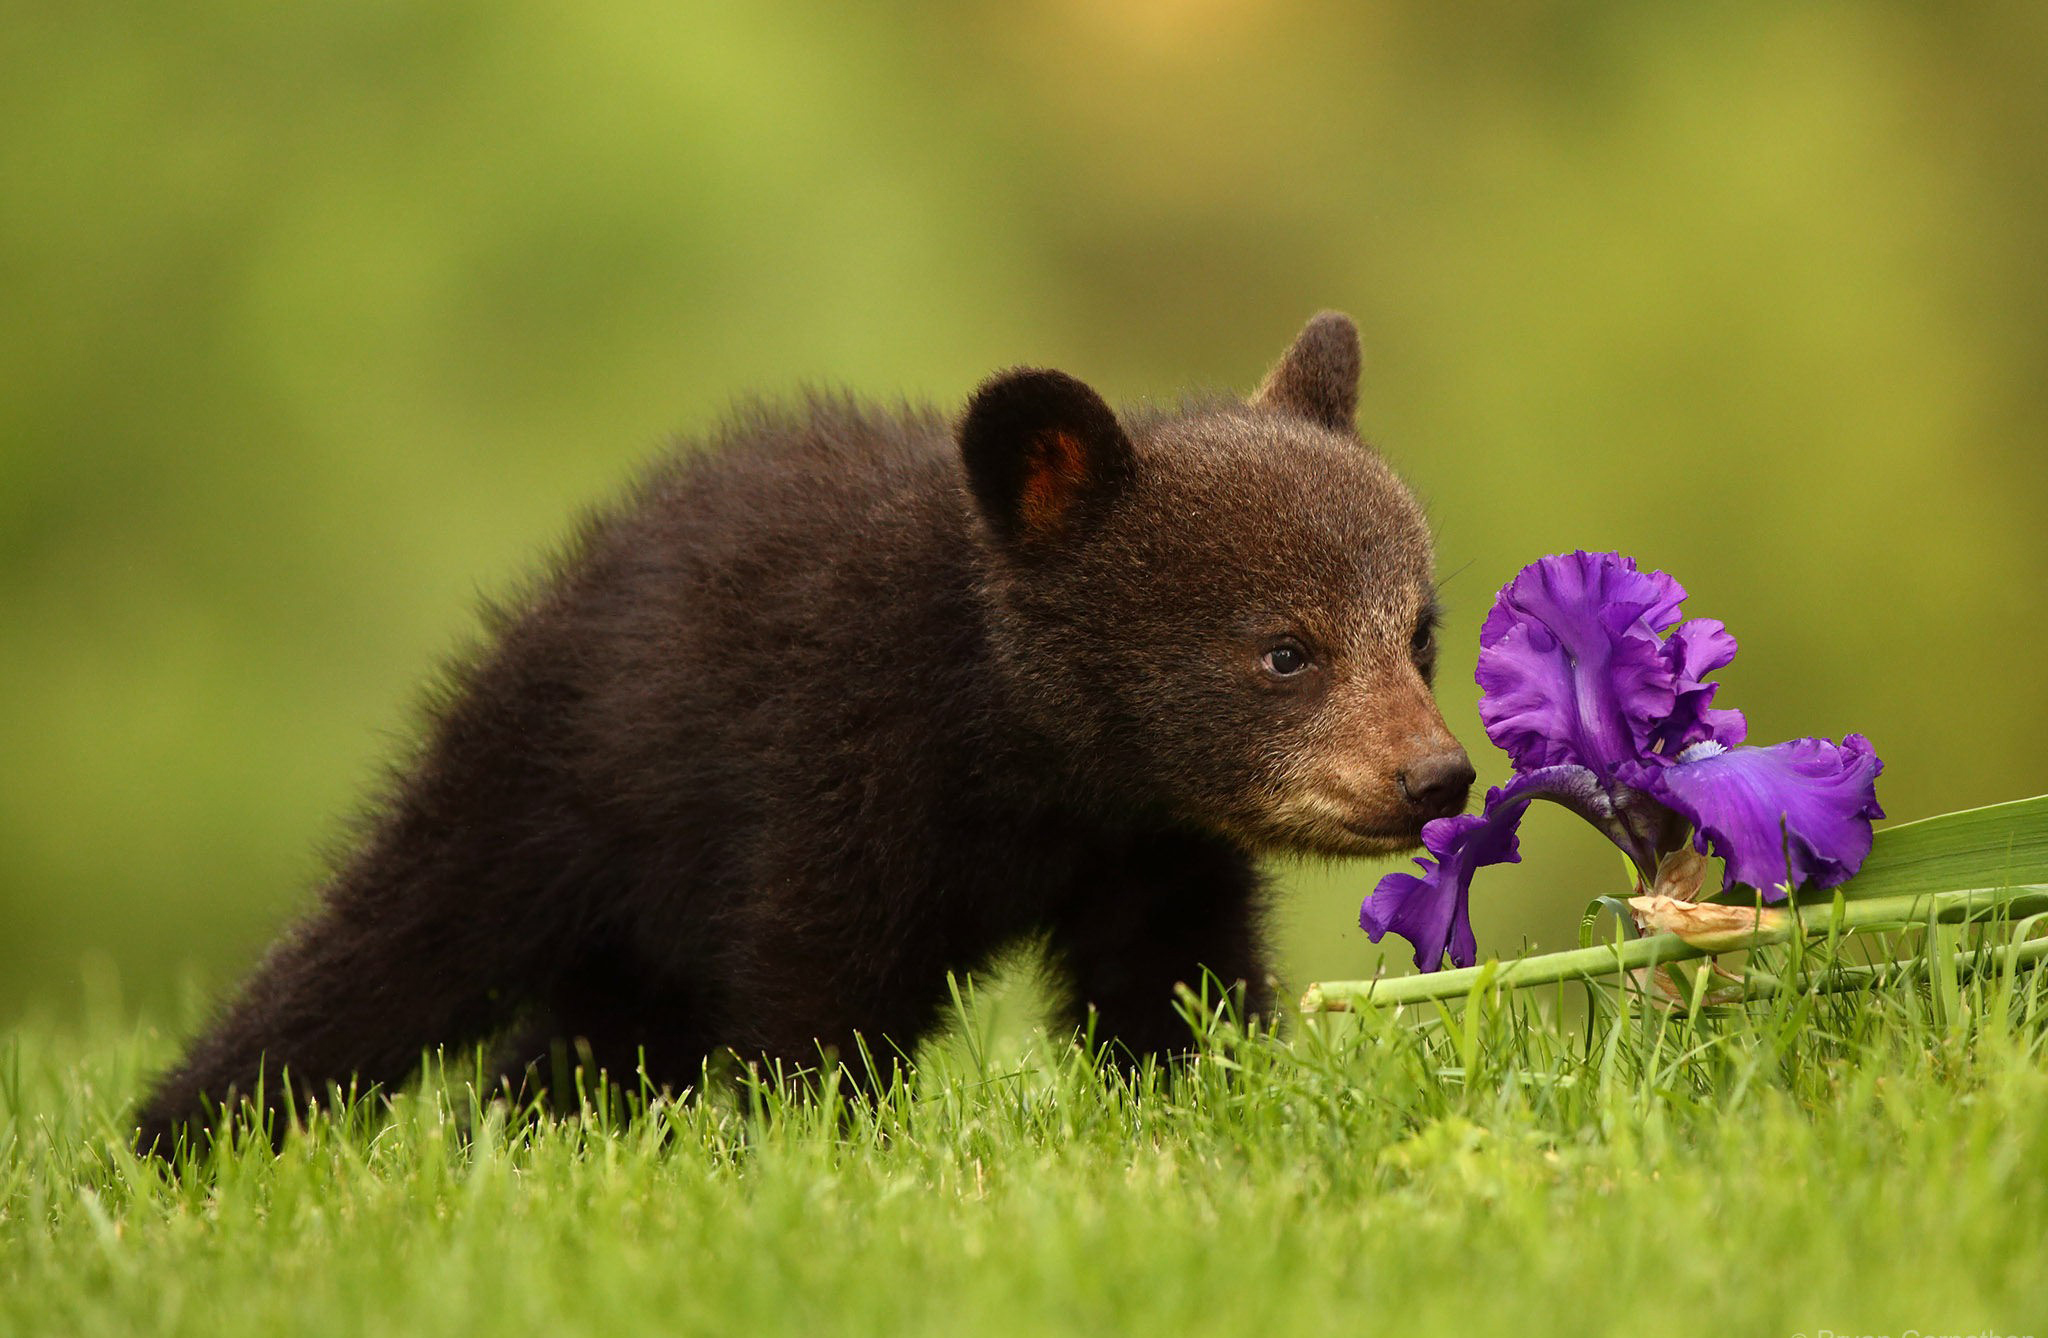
<point>854,699</point>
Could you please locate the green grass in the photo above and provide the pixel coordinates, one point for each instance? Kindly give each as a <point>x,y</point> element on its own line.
<point>1861,1163</point>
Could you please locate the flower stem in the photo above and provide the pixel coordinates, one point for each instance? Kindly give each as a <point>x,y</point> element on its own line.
<point>1758,984</point>
<point>1843,916</point>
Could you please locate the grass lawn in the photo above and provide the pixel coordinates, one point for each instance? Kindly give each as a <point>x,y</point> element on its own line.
<point>1871,1163</point>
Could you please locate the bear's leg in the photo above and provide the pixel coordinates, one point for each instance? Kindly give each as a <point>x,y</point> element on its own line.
<point>405,956</point>
<point>1176,913</point>
<point>605,1019</point>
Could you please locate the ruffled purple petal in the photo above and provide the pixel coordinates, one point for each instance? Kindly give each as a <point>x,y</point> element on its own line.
<point>1695,649</point>
<point>1651,596</point>
<point>1571,667</point>
<point>1806,801</point>
<point>1430,910</point>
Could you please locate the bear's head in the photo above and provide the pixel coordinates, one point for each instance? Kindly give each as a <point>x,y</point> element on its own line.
<point>1224,613</point>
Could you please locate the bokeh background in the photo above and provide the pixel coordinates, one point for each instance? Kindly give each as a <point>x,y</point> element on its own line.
<point>318,320</point>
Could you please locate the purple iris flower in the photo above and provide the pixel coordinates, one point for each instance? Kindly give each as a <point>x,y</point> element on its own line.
<point>1598,692</point>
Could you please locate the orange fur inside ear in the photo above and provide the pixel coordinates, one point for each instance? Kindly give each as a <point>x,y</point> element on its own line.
<point>1057,469</point>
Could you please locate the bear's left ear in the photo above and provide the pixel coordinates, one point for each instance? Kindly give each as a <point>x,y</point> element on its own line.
<point>1043,453</point>
<point>1317,378</point>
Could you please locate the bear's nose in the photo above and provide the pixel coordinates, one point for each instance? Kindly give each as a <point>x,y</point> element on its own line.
<point>1437,785</point>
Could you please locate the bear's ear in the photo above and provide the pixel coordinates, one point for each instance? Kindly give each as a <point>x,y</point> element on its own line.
<point>1318,377</point>
<point>1043,453</point>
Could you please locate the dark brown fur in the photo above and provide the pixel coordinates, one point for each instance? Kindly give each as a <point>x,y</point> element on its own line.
<point>817,715</point>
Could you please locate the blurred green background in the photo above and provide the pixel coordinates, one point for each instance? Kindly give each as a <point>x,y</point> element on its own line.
<point>321,319</point>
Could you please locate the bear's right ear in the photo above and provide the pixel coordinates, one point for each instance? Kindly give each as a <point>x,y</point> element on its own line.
<point>1043,453</point>
<point>1317,378</point>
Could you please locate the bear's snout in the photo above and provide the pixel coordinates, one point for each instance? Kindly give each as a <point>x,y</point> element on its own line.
<point>1437,785</point>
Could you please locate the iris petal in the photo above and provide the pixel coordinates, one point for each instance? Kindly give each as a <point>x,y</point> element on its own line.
<point>1696,648</point>
<point>1806,801</point>
<point>1430,910</point>
<point>1571,668</point>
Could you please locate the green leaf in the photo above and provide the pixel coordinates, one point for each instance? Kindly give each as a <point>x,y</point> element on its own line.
<point>2003,845</point>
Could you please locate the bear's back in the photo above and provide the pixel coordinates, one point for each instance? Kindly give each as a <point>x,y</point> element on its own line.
<point>799,585</point>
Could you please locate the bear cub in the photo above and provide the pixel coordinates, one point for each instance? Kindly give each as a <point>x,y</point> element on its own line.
<point>849,699</point>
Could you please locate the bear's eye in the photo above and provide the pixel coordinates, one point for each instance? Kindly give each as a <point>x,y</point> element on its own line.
<point>1422,644</point>
<point>1423,639</point>
<point>1285,659</point>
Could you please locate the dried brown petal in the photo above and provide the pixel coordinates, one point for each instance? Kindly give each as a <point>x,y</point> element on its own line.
<point>1711,925</point>
<point>1680,873</point>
